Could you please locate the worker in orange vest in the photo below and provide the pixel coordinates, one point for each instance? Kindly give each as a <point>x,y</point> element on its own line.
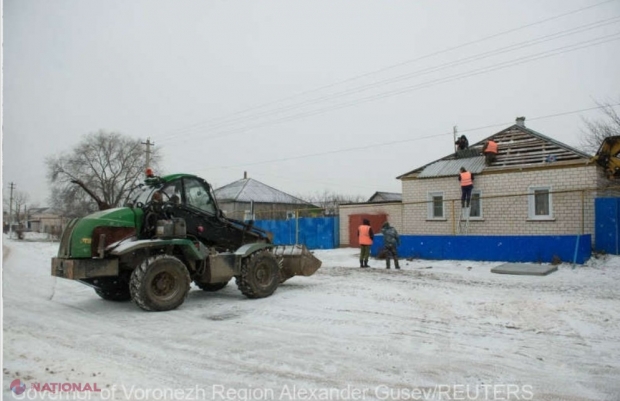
<point>467,185</point>
<point>365,237</point>
<point>490,151</point>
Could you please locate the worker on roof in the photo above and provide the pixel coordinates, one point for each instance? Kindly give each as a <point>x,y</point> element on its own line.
<point>490,151</point>
<point>462,143</point>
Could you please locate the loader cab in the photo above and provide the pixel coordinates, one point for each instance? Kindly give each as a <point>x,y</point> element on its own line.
<point>191,198</point>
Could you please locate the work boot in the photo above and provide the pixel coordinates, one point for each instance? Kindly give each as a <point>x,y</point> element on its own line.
<point>361,263</point>
<point>396,264</point>
<point>366,263</point>
<point>387,263</point>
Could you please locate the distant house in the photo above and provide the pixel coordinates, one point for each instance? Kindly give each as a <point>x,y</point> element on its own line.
<point>249,199</point>
<point>44,220</point>
<point>537,186</point>
<point>385,197</point>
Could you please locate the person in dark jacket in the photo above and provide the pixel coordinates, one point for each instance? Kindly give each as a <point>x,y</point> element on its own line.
<point>391,240</point>
<point>365,237</point>
<point>462,143</point>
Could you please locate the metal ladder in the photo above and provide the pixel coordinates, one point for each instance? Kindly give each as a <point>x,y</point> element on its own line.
<point>464,221</point>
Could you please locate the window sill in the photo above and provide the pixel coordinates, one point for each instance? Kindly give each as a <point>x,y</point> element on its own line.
<point>537,219</point>
<point>437,219</point>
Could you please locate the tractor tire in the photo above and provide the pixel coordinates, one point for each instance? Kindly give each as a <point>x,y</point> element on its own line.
<point>117,295</point>
<point>160,283</point>
<point>210,287</point>
<point>260,275</point>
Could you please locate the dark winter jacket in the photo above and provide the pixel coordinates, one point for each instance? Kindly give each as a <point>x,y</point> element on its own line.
<point>390,235</point>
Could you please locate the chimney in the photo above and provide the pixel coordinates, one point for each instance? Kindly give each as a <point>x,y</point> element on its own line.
<point>245,175</point>
<point>521,121</point>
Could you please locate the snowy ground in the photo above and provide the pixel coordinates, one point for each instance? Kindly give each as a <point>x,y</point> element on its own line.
<point>446,332</point>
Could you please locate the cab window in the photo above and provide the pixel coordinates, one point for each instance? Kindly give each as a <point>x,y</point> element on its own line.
<point>198,196</point>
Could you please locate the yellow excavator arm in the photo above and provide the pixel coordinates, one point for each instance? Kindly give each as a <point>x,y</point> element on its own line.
<point>608,156</point>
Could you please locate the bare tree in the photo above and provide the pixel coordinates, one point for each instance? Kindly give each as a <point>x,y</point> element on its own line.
<point>18,208</point>
<point>329,201</point>
<point>107,163</point>
<point>20,200</point>
<point>597,130</point>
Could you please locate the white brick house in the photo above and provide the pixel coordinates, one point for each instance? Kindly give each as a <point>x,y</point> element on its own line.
<point>537,186</point>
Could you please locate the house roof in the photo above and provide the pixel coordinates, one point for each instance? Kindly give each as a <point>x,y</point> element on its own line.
<point>250,190</point>
<point>518,147</point>
<point>386,197</point>
<point>41,210</point>
<point>444,168</point>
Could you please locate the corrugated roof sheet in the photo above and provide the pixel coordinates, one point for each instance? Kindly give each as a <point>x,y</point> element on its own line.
<point>445,168</point>
<point>386,197</point>
<point>248,189</point>
<point>518,147</point>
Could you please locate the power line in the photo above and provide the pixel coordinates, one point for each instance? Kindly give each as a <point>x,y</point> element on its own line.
<point>382,144</point>
<point>437,81</point>
<point>365,147</point>
<point>449,49</point>
<point>424,71</point>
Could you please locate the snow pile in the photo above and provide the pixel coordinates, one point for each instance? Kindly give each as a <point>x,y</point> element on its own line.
<point>433,330</point>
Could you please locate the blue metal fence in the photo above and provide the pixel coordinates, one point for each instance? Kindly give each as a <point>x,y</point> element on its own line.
<point>506,248</point>
<point>313,232</point>
<point>607,225</point>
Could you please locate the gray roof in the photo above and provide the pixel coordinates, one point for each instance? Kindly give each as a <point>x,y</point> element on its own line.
<point>250,190</point>
<point>42,210</point>
<point>386,197</point>
<point>518,147</point>
<point>445,168</point>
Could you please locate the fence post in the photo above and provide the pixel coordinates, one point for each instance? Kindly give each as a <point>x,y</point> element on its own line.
<point>296,226</point>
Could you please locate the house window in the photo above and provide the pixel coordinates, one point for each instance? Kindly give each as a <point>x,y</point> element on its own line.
<point>435,205</point>
<point>475,210</point>
<point>540,205</point>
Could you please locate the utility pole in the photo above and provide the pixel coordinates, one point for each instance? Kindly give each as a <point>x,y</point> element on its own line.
<point>454,131</point>
<point>11,186</point>
<point>148,144</point>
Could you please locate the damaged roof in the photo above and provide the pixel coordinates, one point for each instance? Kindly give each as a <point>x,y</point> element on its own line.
<point>517,146</point>
<point>250,190</point>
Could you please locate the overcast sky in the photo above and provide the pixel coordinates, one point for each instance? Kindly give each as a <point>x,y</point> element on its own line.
<point>305,96</point>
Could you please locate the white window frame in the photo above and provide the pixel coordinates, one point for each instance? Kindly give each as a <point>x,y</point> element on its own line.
<point>531,200</point>
<point>479,193</point>
<point>430,209</point>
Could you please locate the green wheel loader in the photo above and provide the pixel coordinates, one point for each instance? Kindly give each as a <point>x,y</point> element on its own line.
<point>172,233</point>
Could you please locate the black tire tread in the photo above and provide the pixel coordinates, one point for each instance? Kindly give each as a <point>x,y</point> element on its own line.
<point>243,280</point>
<point>137,279</point>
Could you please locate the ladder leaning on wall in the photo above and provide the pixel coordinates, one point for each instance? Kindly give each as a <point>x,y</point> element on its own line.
<point>464,221</point>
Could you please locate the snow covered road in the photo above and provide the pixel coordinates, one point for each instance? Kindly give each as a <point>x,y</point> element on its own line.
<point>345,333</point>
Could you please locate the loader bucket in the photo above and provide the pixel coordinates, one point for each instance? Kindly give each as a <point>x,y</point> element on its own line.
<point>296,260</point>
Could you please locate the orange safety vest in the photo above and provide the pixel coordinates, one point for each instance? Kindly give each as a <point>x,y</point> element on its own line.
<point>491,147</point>
<point>466,179</point>
<point>364,235</point>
